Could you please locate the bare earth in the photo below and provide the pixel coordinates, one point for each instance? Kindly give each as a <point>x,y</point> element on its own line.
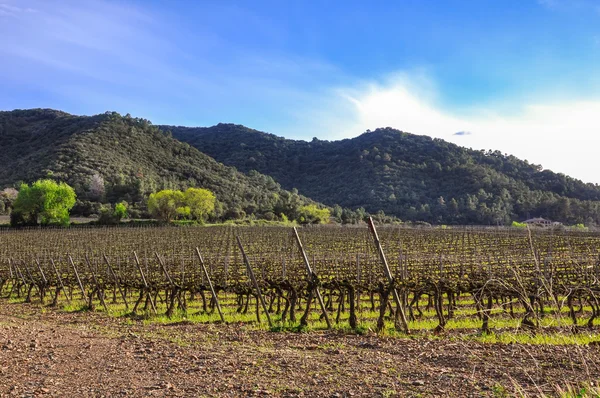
<point>45,352</point>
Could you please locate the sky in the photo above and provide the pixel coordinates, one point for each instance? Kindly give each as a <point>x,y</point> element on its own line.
<point>519,76</point>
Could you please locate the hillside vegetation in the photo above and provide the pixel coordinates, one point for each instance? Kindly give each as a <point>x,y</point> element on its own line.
<point>413,177</point>
<point>109,158</point>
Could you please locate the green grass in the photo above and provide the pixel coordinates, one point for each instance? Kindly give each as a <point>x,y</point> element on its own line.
<point>465,325</point>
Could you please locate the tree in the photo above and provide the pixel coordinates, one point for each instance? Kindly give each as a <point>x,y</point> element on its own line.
<point>96,188</point>
<point>121,210</point>
<point>45,201</point>
<point>166,204</point>
<point>201,203</point>
<point>7,197</point>
<point>311,214</point>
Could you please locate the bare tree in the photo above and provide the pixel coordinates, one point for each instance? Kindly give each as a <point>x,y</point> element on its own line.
<point>97,187</point>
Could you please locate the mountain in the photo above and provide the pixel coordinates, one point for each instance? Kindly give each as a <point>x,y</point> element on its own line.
<point>411,176</point>
<point>109,158</point>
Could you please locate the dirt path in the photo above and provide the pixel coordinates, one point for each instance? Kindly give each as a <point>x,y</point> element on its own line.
<point>86,354</point>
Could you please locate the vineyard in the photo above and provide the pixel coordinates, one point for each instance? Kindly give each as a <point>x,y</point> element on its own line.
<point>323,277</point>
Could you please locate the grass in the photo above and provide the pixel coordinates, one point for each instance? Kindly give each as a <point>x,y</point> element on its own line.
<point>555,329</point>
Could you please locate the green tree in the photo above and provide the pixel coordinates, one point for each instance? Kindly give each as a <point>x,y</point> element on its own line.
<point>201,203</point>
<point>311,214</point>
<point>121,210</point>
<point>165,205</point>
<point>45,201</point>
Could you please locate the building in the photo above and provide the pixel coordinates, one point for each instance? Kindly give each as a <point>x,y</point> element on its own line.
<point>538,222</point>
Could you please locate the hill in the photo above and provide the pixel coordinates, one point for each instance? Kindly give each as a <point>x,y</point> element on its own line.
<point>109,158</point>
<point>413,177</point>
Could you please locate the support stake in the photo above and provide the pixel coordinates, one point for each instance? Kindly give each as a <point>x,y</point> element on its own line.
<point>212,290</point>
<point>388,274</point>
<point>312,277</point>
<point>251,273</point>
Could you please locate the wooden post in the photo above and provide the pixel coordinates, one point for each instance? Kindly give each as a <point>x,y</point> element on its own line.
<point>62,286</point>
<point>77,276</point>
<point>312,277</point>
<point>44,281</point>
<point>114,275</point>
<point>41,272</point>
<point>137,261</point>
<point>212,290</point>
<point>18,271</point>
<point>388,274</point>
<point>251,273</point>
<point>164,268</point>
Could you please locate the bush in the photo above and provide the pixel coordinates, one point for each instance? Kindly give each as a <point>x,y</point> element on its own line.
<point>85,208</point>
<point>311,214</point>
<point>18,219</point>
<point>110,216</point>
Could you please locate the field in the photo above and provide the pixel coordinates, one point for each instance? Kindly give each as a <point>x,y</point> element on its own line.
<point>510,311</point>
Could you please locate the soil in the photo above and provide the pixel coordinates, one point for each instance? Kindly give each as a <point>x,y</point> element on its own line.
<point>44,352</point>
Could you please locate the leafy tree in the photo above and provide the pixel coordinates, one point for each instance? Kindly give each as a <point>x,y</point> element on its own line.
<point>165,205</point>
<point>311,214</point>
<point>201,203</point>
<point>121,210</point>
<point>46,201</point>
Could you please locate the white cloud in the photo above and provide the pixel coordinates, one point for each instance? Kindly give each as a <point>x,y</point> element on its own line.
<point>8,10</point>
<point>561,136</point>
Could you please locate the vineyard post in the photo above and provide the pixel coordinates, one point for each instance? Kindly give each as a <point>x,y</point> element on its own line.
<point>212,290</point>
<point>145,282</point>
<point>45,281</point>
<point>251,273</point>
<point>10,268</point>
<point>62,286</point>
<point>18,272</point>
<point>175,288</point>
<point>41,272</point>
<point>77,276</point>
<point>114,275</point>
<point>164,268</point>
<point>312,277</point>
<point>388,274</point>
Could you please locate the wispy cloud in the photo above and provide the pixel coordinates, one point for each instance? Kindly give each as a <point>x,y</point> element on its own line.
<point>591,5</point>
<point>9,10</point>
<point>548,3</point>
<point>111,55</point>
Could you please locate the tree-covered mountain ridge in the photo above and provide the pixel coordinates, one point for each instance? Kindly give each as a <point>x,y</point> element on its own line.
<point>411,176</point>
<point>108,158</point>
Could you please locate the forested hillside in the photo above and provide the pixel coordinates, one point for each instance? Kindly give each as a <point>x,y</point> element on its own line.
<point>109,158</point>
<point>410,176</point>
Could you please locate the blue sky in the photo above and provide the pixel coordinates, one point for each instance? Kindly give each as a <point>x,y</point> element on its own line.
<point>521,76</point>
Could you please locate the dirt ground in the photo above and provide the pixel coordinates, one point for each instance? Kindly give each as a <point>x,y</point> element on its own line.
<point>49,353</point>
